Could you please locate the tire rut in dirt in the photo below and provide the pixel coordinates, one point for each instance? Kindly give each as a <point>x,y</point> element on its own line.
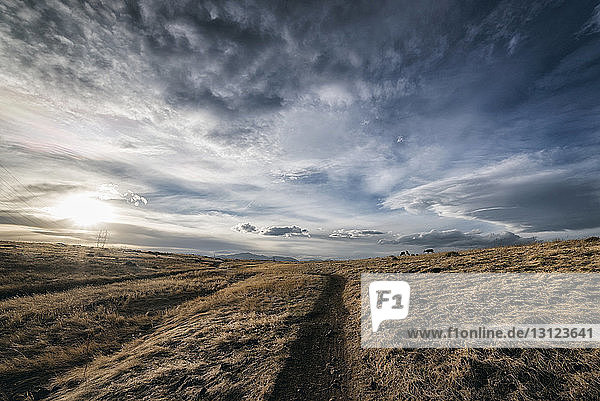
<point>316,368</point>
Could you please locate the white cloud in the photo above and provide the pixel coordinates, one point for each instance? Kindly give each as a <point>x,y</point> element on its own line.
<point>272,231</point>
<point>343,233</point>
<point>335,95</point>
<point>245,228</point>
<point>111,191</point>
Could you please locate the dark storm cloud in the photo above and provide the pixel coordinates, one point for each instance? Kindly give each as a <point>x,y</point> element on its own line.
<point>257,55</point>
<point>234,57</point>
<point>458,239</point>
<point>222,56</point>
<point>286,231</point>
<point>262,56</point>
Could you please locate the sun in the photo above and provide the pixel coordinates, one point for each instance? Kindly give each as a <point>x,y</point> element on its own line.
<point>84,210</point>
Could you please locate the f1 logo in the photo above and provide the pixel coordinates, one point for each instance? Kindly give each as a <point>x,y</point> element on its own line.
<point>389,300</point>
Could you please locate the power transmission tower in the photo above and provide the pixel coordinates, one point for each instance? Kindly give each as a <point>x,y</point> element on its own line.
<point>102,237</point>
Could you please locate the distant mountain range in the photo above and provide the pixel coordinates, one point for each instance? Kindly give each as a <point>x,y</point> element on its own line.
<point>252,256</point>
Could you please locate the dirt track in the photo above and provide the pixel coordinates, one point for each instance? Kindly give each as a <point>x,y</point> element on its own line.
<point>316,368</point>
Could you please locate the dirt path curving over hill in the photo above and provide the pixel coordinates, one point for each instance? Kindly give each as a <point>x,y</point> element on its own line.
<point>316,368</point>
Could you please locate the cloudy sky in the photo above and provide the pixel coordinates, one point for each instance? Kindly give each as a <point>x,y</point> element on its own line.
<point>302,128</point>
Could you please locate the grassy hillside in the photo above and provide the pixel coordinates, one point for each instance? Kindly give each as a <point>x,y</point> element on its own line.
<point>82,323</point>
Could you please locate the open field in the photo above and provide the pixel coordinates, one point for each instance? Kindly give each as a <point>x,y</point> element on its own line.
<point>79,323</point>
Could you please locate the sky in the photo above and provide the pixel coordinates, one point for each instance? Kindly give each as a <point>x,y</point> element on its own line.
<point>313,129</point>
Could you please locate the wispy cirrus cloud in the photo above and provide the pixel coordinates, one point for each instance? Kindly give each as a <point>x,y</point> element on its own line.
<point>530,193</point>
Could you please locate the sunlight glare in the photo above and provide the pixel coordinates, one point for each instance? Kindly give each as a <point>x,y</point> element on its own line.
<point>84,210</point>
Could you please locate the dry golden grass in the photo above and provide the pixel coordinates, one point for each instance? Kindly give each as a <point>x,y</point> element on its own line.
<point>44,334</point>
<point>473,374</point>
<point>28,268</point>
<point>229,345</point>
<point>254,330</point>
